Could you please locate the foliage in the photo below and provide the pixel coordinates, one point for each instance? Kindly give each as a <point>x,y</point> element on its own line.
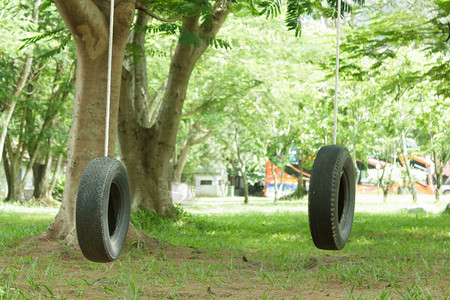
<point>57,192</point>
<point>51,36</point>
<point>296,10</point>
<point>42,115</point>
<point>420,27</point>
<point>401,47</point>
<point>260,79</point>
<point>261,104</point>
<point>12,19</point>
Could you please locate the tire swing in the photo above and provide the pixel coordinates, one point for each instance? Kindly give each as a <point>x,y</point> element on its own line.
<point>331,198</point>
<point>103,200</point>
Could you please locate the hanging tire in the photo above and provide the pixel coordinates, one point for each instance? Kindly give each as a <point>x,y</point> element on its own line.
<point>103,209</point>
<point>331,202</point>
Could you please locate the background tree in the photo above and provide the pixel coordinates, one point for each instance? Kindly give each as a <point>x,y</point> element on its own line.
<point>415,28</point>
<point>147,153</point>
<point>14,69</point>
<point>434,136</point>
<point>53,136</point>
<point>33,122</point>
<point>35,112</point>
<point>286,91</point>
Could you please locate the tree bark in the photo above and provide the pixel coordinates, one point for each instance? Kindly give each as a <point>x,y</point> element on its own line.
<point>188,143</point>
<point>440,160</point>
<point>41,175</point>
<point>242,166</point>
<point>88,22</point>
<point>281,181</point>
<point>412,183</point>
<point>245,181</point>
<point>56,172</point>
<point>4,121</point>
<point>301,186</point>
<point>140,74</point>
<point>384,188</point>
<point>301,191</point>
<point>147,152</point>
<point>275,183</point>
<point>438,175</point>
<point>355,165</point>
<point>12,173</point>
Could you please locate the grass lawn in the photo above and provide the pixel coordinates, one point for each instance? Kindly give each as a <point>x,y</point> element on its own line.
<point>223,249</point>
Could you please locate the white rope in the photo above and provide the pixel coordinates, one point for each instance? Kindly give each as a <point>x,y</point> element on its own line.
<point>336,89</point>
<point>108,86</point>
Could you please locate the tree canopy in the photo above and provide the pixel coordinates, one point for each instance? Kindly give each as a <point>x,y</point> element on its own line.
<point>264,76</point>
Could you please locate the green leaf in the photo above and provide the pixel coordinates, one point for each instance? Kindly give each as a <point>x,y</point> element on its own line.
<point>270,8</point>
<point>190,38</point>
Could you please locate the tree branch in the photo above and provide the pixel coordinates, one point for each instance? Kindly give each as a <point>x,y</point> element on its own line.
<point>202,139</point>
<point>142,8</point>
<point>75,14</point>
<point>214,99</point>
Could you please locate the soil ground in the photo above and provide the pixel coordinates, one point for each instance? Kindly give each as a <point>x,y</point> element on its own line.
<point>243,283</point>
<point>149,269</point>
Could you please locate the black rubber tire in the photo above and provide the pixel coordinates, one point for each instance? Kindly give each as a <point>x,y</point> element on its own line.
<point>331,202</point>
<point>103,209</point>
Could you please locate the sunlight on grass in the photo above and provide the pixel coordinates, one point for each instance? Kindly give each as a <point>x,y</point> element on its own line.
<point>392,254</point>
<point>280,233</point>
<point>16,212</point>
<point>18,221</point>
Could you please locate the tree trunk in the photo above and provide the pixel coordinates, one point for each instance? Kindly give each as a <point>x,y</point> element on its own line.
<point>355,165</point>
<point>245,181</point>
<point>41,176</point>
<point>137,150</point>
<point>438,175</point>
<point>440,160</point>
<point>188,143</point>
<point>275,183</point>
<point>147,152</point>
<point>12,173</point>
<point>4,121</point>
<point>300,184</point>
<point>301,191</point>
<point>385,194</point>
<point>182,160</point>
<point>242,165</point>
<point>88,22</point>
<point>14,159</point>
<point>58,167</point>
<point>385,189</point>
<point>412,182</point>
<point>281,181</point>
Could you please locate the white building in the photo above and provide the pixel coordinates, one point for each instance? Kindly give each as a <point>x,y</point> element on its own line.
<point>210,181</point>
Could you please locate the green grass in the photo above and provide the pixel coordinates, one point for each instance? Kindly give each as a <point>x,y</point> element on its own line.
<point>19,221</point>
<point>278,233</point>
<point>406,252</point>
<point>390,255</point>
